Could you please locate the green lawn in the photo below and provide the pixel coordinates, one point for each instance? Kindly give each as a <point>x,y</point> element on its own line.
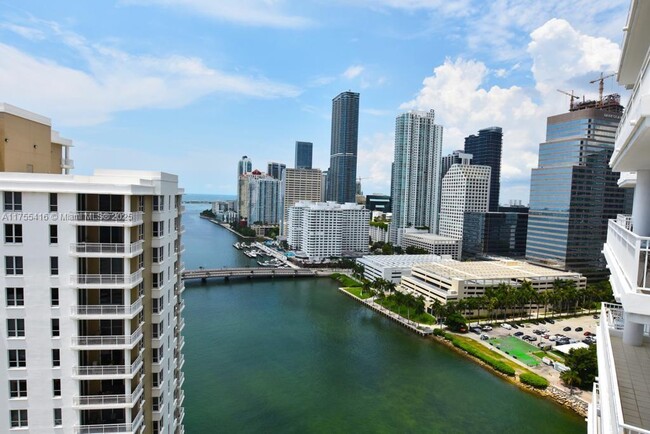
<point>517,348</point>
<point>423,318</point>
<point>356,291</point>
<point>346,281</point>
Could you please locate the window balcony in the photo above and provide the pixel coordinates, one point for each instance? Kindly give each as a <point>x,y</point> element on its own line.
<point>622,395</point>
<point>106,250</point>
<point>107,311</point>
<point>102,372</point>
<point>117,342</point>
<point>122,428</point>
<point>633,134</point>
<point>106,280</point>
<point>123,400</point>
<point>628,256</point>
<point>107,218</point>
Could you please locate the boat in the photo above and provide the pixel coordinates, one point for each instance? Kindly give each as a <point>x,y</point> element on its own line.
<point>237,246</point>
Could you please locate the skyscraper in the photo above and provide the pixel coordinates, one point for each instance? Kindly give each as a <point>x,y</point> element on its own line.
<point>456,157</point>
<point>276,169</point>
<point>486,151</point>
<point>573,192</point>
<point>342,173</point>
<point>245,166</point>
<point>416,171</point>
<point>303,155</point>
<point>94,294</point>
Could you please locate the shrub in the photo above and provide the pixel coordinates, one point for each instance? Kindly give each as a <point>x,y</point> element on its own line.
<point>439,332</point>
<point>534,380</point>
<point>498,365</point>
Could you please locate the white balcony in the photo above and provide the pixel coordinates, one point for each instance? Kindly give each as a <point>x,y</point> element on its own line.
<point>107,311</point>
<point>121,428</point>
<point>124,400</point>
<point>106,250</point>
<point>633,135</point>
<point>621,400</point>
<point>106,280</point>
<point>107,342</point>
<point>67,163</point>
<point>99,372</point>
<point>106,218</point>
<point>635,42</point>
<point>628,256</point>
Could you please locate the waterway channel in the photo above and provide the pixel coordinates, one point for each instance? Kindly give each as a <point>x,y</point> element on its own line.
<point>295,355</point>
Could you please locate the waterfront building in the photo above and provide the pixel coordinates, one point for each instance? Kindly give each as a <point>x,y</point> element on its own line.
<point>225,210</point>
<point>327,229</point>
<point>416,171</point>
<point>449,280</point>
<point>379,232</point>
<point>392,267</point>
<point>304,155</point>
<point>622,393</point>
<point>275,170</point>
<point>299,185</point>
<point>92,294</point>
<point>432,243</point>
<point>378,202</point>
<point>342,173</point>
<point>574,192</point>
<point>465,188</point>
<point>486,151</point>
<point>495,233</point>
<point>263,199</point>
<point>244,166</point>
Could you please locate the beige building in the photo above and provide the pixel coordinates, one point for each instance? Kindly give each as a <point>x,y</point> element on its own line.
<point>432,243</point>
<point>453,280</point>
<point>299,185</point>
<point>30,145</point>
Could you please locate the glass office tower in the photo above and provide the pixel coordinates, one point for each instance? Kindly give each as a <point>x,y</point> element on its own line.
<point>342,174</point>
<point>304,155</point>
<point>573,191</point>
<point>486,151</point>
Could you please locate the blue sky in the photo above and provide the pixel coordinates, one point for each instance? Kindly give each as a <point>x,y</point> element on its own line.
<point>189,86</point>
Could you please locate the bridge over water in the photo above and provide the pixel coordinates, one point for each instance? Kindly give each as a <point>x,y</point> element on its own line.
<point>251,272</point>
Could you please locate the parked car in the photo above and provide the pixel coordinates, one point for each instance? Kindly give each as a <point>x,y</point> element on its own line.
<point>519,334</point>
<point>550,321</point>
<point>476,330</point>
<point>551,338</point>
<point>596,316</point>
<point>579,329</point>
<point>521,325</point>
<point>525,337</point>
<point>532,339</point>
<point>515,326</point>
<point>506,326</point>
<point>588,340</point>
<point>484,337</point>
<point>567,329</point>
<point>587,333</point>
<point>487,328</point>
<point>541,321</point>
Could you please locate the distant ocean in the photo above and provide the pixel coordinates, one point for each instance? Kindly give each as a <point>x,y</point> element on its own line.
<point>208,197</point>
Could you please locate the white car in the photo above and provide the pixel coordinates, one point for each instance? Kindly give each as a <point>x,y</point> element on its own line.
<point>506,326</point>
<point>487,328</point>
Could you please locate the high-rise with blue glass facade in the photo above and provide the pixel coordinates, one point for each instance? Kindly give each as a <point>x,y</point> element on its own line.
<point>574,192</point>
<point>303,155</point>
<point>486,151</point>
<point>342,174</point>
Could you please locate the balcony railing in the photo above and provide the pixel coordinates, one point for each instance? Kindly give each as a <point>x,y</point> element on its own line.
<point>631,253</point>
<point>106,279</point>
<point>108,370</point>
<point>107,309</point>
<point>108,400</point>
<point>106,248</point>
<point>120,428</point>
<point>67,163</point>
<point>107,217</point>
<point>112,340</point>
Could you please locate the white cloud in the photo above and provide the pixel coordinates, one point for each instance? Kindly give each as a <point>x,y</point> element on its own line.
<point>375,155</point>
<point>562,57</point>
<point>264,13</point>
<point>116,81</point>
<point>25,32</point>
<point>353,72</point>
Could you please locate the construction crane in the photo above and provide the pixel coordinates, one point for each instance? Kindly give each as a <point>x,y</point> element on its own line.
<point>572,98</point>
<point>601,81</point>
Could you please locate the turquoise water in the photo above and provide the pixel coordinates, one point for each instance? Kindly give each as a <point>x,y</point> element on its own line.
<point>297,356</point>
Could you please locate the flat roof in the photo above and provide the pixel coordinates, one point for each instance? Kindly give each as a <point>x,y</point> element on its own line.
<point>429,237</point>
<point>406,261</point>
<point>498,269</point>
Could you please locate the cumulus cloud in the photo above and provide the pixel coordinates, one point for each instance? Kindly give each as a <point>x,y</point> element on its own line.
<point>562,57</point>
<point>264,13</point>
<point>353,72</point>
<point>376,154</point>
<point>113,81</point>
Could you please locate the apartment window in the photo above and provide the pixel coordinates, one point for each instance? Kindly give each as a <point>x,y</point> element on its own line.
<point>56,387</point>
<point>54,297</point>
<point>54,234</point>
<point>13,201</point>
<point>158,229</point>
<point>17,389</point>
<point>13,233</point>
<point>158,254</point>
<point>13,265</point>
<point>54,202</point>
<point>159,203</point>
<point>17,359</point>
<point>157,305</point>
<point>18,418</point>
<point>54,265</point>
<point>15,297</point>
<point>140,203</point>
<point>58,419</point>
<point>157,279</point>
<point>56,358</point>
<point>16,328</point>
<point>56,332</point>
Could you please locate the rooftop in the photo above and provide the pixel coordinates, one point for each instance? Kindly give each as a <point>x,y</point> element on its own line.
<point>499,269</point>
<point>406,261</point>
<point>429,237</point>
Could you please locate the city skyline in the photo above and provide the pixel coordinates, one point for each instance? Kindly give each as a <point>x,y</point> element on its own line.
<point>222,66</point>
